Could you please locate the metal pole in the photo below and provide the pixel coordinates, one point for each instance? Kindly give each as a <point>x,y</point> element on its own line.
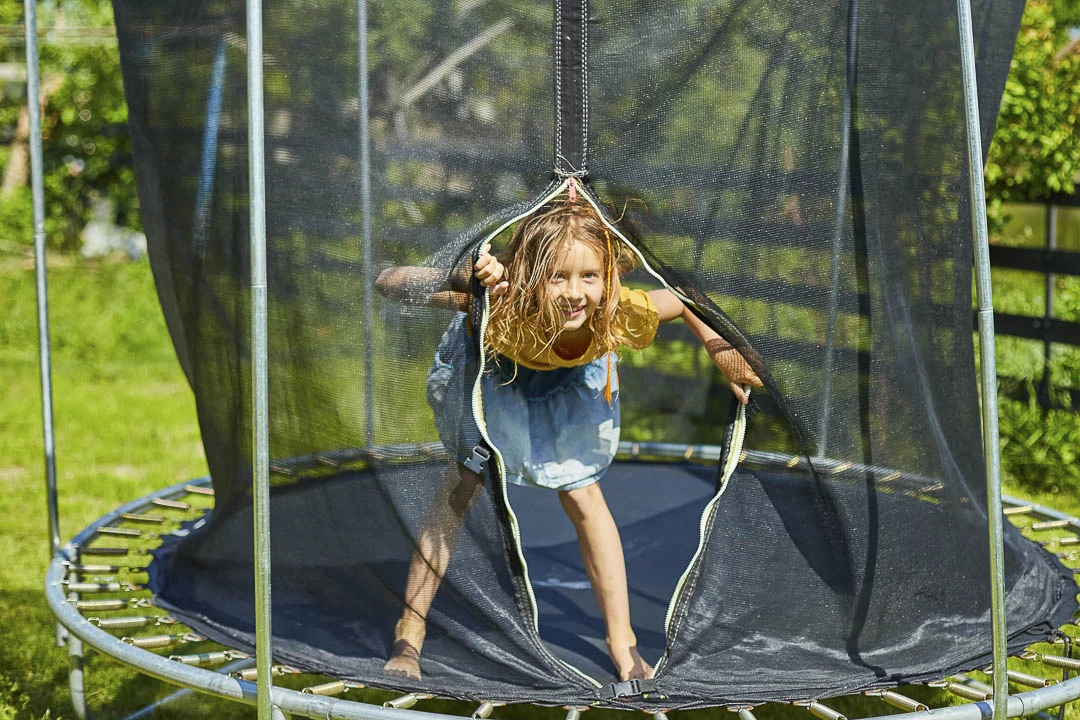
<point>365,202</point>
<point>76,674</point>
<point>988,364</point>
<point>37,190</point>
<point>841,205</point>
<point>260,377</point>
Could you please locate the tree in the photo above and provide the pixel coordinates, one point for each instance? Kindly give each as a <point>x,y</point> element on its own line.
<point>1036,149</point>
<point>87,150</point>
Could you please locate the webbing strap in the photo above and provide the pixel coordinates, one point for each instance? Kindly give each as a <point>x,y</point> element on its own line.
<point>571,86</point>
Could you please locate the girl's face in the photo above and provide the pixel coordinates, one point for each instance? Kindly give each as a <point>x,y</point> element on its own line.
<point>576,284</point>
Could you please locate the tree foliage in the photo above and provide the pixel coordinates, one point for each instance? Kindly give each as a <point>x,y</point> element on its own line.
<point>87,150</point>
<point>1035,153</point>
<point>1036,149</point>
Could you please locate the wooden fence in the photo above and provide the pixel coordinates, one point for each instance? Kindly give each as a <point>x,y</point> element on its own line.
<point>1049,329</point>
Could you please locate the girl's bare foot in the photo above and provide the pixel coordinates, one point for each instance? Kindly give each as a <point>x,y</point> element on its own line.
<point>629,665</point>
<point>404,659</point>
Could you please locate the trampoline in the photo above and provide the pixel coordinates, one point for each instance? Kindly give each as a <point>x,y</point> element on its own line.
<point>800,176</point>
<point>97,587</point>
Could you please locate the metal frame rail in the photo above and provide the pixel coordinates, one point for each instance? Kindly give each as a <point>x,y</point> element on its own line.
<point>62,594</point>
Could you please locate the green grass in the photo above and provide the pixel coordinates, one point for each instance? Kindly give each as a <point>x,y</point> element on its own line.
<point>125,423</point>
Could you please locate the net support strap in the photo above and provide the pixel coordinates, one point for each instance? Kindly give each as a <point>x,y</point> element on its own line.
<point>571,87</point>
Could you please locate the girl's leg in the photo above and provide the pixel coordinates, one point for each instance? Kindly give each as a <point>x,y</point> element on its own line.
<point>601,550</point>
<point>434,545</point>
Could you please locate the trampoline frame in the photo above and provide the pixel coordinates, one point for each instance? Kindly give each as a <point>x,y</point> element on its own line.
<point>273,702</point>
<point>287,702</point>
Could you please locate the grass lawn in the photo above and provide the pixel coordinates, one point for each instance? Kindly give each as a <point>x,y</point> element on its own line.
<point>125,424</point>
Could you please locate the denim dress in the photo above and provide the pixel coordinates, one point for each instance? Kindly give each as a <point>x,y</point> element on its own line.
<point>553,428</point>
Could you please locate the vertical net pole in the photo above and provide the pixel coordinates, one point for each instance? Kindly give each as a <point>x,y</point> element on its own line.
<point>260,376</point>
<point>842,183</point>
<point>37,190</point>
<point>365,202</point>
<point>987,361</point>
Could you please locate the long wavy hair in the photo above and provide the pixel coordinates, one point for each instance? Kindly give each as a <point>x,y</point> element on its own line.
<point>524,315</point>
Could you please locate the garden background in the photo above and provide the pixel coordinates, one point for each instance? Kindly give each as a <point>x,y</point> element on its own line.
<point>125,417</point>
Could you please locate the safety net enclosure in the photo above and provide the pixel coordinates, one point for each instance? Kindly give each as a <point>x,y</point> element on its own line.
<point>797,171</point>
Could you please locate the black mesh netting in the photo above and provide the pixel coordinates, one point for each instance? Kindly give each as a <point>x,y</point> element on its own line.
<point>824,232</point>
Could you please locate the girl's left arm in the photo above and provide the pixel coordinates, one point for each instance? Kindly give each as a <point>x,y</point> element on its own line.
<point>724,356</point>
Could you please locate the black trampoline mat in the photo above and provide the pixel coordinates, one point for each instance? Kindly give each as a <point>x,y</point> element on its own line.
<point>657,509</point>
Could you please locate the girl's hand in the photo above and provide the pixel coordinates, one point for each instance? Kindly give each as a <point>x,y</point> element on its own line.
<point>490,272</point>
<point>734,367</point>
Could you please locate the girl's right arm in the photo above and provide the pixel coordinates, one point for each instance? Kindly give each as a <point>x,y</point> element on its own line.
<point>425,286</point>
<point>429,286</point>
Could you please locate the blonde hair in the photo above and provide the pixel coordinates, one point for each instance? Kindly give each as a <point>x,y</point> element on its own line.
<point>525,315</point>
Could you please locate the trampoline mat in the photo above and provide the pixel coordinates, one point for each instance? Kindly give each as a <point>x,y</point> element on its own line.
<point>337,616</point>
<point>657,509</point>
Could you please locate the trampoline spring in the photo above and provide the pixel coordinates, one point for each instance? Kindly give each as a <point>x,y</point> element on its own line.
<point>822,712</point>
<point>895,699</point>
<point>327,461</point>
<point>199,490</point>
<point>968,693</point>
<point>1060,662</point>
<point>1028,680</point>
<point>573,712</point>
<point>104,587</point>
<point>745,713</point>
<point>1051,524</point>
<point>171,504</point>
<point>1018,510</point>
<point>148,642</point>
<point>121,532</point>
<point>133,621</point>
<point>143,518</point>
<point>894,475</point>
<point>282,470</point>
<point>486,708</point>
<point>208,659</point>
<point>688,453</point>
<point>1067,540</point>
<point>840,467</point>
<point>406,701</point>
<point>331,688</point>
<point>251,674</point>
<point>98,569</point>
<point>102,605</point>
<point>103,551</point>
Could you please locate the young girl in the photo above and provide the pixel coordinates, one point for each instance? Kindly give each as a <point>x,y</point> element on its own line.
<point>558,313</point>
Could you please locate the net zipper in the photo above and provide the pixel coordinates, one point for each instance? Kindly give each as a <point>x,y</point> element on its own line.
<point>515,529</point>
<point>730,463</point>
<point>478,414</point>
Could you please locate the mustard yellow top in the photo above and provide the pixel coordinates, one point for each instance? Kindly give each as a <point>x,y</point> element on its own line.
<point>635,316</point>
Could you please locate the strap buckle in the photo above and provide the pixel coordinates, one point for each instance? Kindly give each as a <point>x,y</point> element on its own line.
<point>630,688</point>
<point>475,462</point>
